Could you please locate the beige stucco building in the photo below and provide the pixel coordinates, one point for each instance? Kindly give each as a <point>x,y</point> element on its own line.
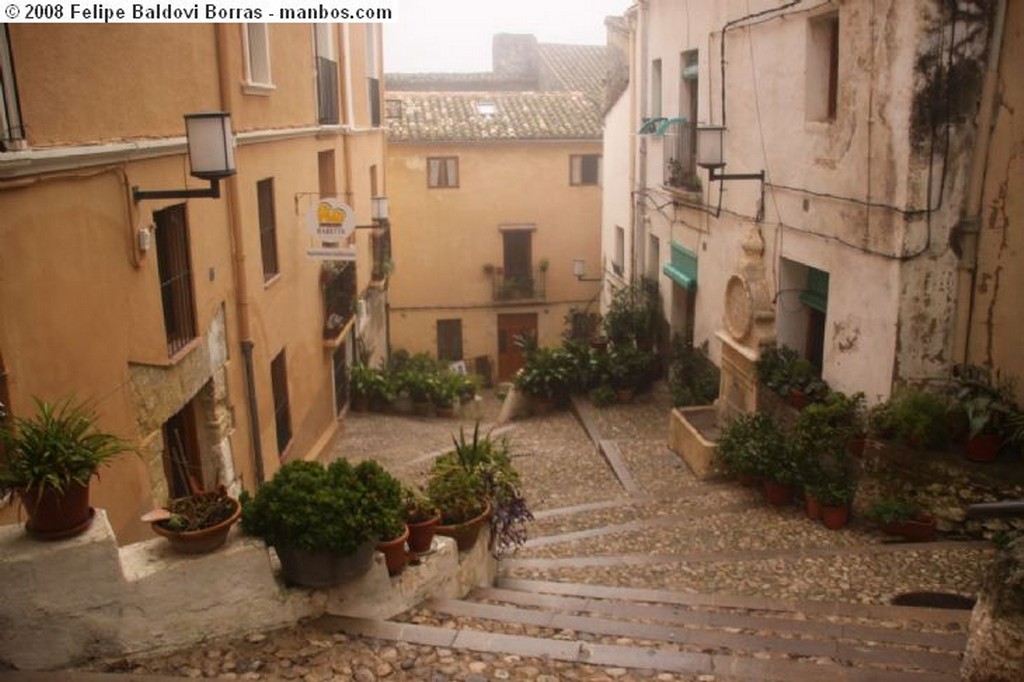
<point>853,124</point>
<point>200,329</point>
<point>496,180</point>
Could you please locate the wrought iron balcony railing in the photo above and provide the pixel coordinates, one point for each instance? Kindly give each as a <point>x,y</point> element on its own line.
<point>511,286</point>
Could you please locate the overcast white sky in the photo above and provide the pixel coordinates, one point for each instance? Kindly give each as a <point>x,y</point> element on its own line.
<point>455,35</point>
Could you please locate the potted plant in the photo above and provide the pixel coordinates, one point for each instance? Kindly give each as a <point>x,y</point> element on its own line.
<point>545,377</point>
<point>901,518</point>
<point>630,370</point>
<point>986,406</point>
<point>384,496</point>
<point>422,518</point>
<point>361,383</point>
<point>444,392</point>
<point>744,444</point>
<point>835,487</point>
<point>198,523</point>
<point>49,460</point>
<point>475,481</point>
<point>919,419</point>
<point>773,368</point>
<point>317,519</point>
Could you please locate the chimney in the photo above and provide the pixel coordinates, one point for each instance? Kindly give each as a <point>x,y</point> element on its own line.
<point>514,56</point>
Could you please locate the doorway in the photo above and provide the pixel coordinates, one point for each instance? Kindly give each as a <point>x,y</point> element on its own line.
<point>510,326</point>
<point>183,466</point>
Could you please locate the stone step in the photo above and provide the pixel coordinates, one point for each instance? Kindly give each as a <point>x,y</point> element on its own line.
<point>697,639</point>
<point>952,620</point>
<point>781,622</point>
<point>735,555</point>
<point>728,665</point>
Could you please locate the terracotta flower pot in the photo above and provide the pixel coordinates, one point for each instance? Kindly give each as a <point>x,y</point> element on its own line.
<point>56,515</point>
<point>200,541</point>
<point>918,529</point>
<point>748,480</point>
<point>798,399</point>
<point>835,517</point>
<point>421,535</point>
<point>983,448</point>
<point>778,494</point>
<point>395,556</point>
<point>467,533</point>
<point>812,507</point>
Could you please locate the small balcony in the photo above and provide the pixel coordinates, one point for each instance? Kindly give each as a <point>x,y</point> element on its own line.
<point>680,158</point>
<point>338,281</point>
<point>507,286</point>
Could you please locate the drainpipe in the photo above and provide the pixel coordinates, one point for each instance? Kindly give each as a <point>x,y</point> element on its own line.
<point>640,213</point>
<point>966,233</point>
<point>238,252</point>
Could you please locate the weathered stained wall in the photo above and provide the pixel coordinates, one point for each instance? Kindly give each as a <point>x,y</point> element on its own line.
<point>869,197</point>
<point>994,316</point>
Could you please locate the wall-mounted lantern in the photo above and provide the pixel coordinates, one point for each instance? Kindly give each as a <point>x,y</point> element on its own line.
<point>211,154</point>
<point>579,267</point>
<point>379,209</point>
<point>710,155</point>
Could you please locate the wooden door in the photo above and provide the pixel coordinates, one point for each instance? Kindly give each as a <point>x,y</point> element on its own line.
<point>510,358</point>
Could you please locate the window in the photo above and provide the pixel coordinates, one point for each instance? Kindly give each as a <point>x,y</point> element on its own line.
<point>681,133</point>
<point>372,75</point>
<point>11,130</point>
<point>257,54</point>
<point>183,467</point>
<point>449,340</point>
<point>282,416</point>
<point>268,227</point>
<point>443,171</point>
<point>822,67</point>
<point>326,74</point>
<point>174,265</point>
<point>585,169</point>
<point>339,365</point>
<point>620,250</point>
<point>656,88</point>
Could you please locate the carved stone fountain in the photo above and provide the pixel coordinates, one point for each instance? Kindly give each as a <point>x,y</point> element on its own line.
<point>749,325</point>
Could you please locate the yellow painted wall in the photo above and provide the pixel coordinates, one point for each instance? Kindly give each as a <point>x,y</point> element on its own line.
<point>444,237</point>
<point>81,303</point>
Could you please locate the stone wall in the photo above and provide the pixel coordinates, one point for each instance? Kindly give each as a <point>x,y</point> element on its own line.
<point>63,603</point>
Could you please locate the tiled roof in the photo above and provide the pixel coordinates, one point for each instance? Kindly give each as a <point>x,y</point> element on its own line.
<point>541,91</point>
<point>453,117</point>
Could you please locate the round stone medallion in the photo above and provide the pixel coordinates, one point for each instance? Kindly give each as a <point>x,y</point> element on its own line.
<point>739,308</point>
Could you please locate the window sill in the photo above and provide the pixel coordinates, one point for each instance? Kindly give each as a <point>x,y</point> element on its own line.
<point>175,359</point>
<point>258,89</point>
<point>271,281</point>
<point>687,196</point>
<point>818,126</point>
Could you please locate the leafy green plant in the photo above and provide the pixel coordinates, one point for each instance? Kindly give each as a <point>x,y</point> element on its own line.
<point>602,396</point>
<point>315,508</point>
<point>547,373</point>
<point>752,444</point>
<point>477,470</point>
<point>774,368</point>
<point>892,509</point>
<point>58,446</point>
<point>693,379</point>
<point>986,401</point>
<point>919,418</point>
<point>630,367</point>
<point>416,506</point>
<point>383,496</point>
<point>368,383</point>
<point>634,316</point>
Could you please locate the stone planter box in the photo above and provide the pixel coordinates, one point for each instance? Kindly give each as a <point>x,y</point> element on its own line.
<point>690,433</point>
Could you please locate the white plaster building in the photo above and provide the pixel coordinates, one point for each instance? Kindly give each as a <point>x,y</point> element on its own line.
<point>860,113</point>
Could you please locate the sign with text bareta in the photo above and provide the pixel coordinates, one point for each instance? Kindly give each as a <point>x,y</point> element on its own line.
<point>333,224</point>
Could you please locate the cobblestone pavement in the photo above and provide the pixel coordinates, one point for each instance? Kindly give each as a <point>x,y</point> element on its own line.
<point>675,533</point>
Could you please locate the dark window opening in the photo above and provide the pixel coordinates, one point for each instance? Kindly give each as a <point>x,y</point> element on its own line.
<point>182,464</point>
<point>268,227</point>
<point>282,416</point>
<point>175,269</point>
<point>449,340</point>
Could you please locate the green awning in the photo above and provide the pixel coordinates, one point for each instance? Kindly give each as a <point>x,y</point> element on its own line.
<point>816,294</point>
<point>682,269</point>
<point>667,123</point>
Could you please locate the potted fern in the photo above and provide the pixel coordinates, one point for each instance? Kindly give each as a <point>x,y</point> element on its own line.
<point>49,461</point>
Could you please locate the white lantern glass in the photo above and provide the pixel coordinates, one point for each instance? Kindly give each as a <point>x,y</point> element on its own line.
<point>379,208</point>
<point>578,267</point>
<point>211,145</point>
<point>709,147</point>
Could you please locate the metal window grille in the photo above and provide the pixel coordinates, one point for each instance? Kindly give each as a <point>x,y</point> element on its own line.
<point>268,227</point>
<point>449,340</point>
